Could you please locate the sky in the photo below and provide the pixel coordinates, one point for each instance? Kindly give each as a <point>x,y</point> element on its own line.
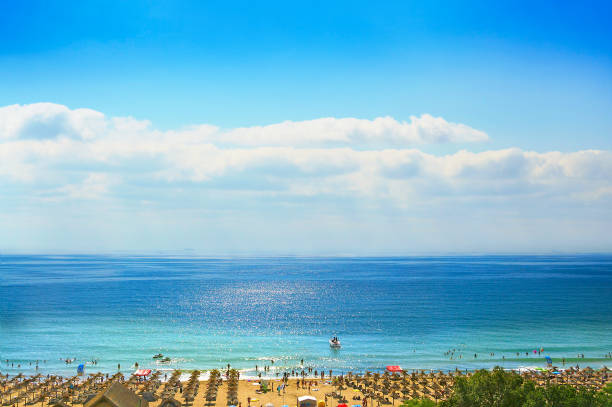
<point>305,128</point>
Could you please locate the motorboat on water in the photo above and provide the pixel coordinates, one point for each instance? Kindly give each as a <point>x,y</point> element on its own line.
<point>158,356</point>
<point>335,343</point>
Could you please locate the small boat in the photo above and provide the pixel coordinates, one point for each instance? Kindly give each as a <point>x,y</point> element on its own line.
<point>334,343</point>
<point>166,360</point>
<point>158,356</point>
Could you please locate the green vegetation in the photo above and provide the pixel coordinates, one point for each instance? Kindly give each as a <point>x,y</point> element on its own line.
<point>264,387</point>
<point>498,388</point>
<point>419,403</point>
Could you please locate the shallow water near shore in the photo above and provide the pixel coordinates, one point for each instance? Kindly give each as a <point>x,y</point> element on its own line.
<point>204,313</point>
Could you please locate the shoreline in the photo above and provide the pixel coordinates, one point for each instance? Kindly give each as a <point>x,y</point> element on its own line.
<point>274,373</point>
<point>25,366</point>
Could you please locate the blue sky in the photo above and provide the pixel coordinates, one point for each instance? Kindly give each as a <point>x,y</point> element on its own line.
<point>535,78</point>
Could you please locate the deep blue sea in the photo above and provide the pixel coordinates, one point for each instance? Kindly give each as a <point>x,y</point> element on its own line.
<point>206,312</point>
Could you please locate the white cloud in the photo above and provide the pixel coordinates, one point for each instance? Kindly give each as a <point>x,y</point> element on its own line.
<point>76,154</point>
<point>382,131</point>
<point>48,120</point>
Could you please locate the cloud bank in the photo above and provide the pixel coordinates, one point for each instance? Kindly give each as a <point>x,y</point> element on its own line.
<point>51,154</point>
<point>48,120</point>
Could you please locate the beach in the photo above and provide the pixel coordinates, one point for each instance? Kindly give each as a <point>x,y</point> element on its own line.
<point>214,388</point>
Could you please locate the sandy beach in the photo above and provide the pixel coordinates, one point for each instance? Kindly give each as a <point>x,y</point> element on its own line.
<point>215,389</point>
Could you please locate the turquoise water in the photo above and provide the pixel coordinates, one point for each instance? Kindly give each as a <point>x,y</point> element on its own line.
<point>205,313</point>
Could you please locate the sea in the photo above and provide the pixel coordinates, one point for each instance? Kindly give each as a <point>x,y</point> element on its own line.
<point>429,312</point>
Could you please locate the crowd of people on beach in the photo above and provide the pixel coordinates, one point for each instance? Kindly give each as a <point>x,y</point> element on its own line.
<point>375,386</point>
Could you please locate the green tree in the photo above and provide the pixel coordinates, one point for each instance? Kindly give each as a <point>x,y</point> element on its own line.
<point>486,388</point>
<point>498,388</point>
<point>566,396</point>
<point>419,403</point>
